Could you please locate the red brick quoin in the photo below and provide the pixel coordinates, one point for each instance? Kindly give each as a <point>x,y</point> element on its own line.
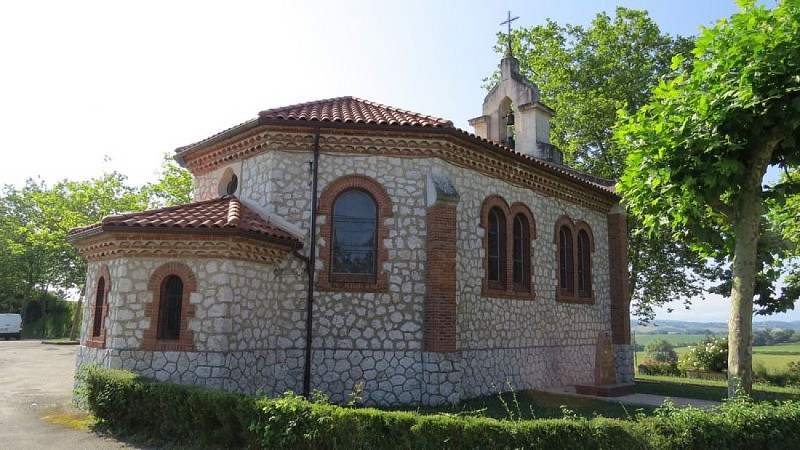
<point>440,279</point>
<point>326,281</point>
<point>185,342</point>
<point>618,273</point>
<point>98,341</point>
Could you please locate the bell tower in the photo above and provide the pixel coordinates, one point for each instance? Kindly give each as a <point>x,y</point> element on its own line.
<point>513,114</point>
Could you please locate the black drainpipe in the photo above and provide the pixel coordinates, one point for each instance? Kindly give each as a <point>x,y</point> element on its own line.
<point>310,263</point>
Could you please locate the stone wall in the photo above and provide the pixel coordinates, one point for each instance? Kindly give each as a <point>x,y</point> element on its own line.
<point>249,318</point>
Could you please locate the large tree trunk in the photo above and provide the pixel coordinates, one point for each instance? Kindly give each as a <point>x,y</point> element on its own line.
<point>740,323</point>
<point>746,229</point>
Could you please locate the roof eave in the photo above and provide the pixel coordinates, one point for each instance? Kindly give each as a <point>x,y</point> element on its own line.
<point>451,131</point>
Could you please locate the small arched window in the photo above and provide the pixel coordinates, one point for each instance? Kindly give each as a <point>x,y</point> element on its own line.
<point>584,264</point>
<point>354,249</point>
<point>99,299</point>
<point>521,254</point>
<point>566,266</point>
<point>496,251</point>
<point>169,311</point>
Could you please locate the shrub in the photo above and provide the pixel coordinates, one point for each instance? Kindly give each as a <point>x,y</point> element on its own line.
<point>661,351</point>
<point>667,369</point>
<point>199,417</point>
<point>711,354</point>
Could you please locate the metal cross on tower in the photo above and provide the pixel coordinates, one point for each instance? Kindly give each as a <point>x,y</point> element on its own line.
<point>508,21</point>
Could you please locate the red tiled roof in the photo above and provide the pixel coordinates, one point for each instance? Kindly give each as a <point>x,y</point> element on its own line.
<point>353,110</point>
<point>356,111</point>
<point>222,215</point>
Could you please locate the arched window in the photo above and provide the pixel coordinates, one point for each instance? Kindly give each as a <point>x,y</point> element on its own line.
<point>584,264</point>
<point>171,286</point>
<point>521,254</point>
<point>354,248</point>
<point>353,238</point>
<point>507,247</point>
<point>566,265</point>
<point>99,299</point>
<point>575,246</point>
<point>96,331</point>
<point>169,310</point>
<point>496,251</point>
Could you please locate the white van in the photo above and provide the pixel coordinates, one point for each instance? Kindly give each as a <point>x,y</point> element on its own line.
<point>11,326</point>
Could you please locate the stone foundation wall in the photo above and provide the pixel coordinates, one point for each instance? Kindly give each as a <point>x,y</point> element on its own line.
<point>623,356</point>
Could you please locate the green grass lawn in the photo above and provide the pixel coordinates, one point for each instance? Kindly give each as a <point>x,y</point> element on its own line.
<point>707,389</point>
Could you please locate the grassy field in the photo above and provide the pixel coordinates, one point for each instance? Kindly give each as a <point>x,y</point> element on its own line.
<point>772,362</point>
<point>787,349</point>
<point>678,340</point>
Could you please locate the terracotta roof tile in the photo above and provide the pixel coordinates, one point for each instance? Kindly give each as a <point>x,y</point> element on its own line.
<point>226,214</point>
<point>353,110</point>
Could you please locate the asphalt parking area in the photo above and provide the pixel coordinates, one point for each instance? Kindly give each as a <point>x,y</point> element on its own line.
<point>36,380</point>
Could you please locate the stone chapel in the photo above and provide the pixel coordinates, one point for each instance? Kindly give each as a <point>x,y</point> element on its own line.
<point>438,264</point>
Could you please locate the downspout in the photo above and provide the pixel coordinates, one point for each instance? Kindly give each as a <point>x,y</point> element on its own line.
<point>310,263</point>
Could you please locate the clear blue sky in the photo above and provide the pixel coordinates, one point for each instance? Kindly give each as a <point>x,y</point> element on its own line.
<point>81,80</point>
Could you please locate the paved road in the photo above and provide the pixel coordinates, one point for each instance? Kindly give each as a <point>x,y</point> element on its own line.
<point>35,381</point>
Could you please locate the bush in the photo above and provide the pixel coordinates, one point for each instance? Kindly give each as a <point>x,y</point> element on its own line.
<point>666,369</point>
<point>711,354</point>
<point>188,415</point>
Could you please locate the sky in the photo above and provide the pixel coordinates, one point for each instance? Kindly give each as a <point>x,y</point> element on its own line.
<point>88,87</point>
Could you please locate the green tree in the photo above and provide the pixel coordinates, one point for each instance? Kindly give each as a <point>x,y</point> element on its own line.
<point>662,351</point>
<point>34,223</point>
<point>587,74</point>
<point>698,152</point>
<point>174,186</point>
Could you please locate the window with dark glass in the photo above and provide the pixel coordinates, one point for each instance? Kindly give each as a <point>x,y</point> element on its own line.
<point>496,253</point>
<point>169,311</point>
<point>565,260</point>
<point>354,248</point>
<point>97,326</point>
<point>584,264</point>
<point>521,253</point>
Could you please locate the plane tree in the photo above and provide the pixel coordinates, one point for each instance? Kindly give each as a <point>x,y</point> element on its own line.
<point>699,150</point>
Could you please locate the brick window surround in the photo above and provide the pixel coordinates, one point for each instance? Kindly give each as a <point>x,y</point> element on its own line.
<point>573,294</point>
<point>185,340</point>
<point>505,287</point>
<point>99,295</point>
<point>327,281</point>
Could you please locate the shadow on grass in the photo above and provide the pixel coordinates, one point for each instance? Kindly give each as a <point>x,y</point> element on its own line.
<point>708,390</point>
<point>534,405</point>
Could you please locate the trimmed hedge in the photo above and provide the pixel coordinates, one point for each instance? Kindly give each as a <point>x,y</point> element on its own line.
<point>185,414</point>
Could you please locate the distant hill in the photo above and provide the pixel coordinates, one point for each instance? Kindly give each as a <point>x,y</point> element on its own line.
<point>682,327</point>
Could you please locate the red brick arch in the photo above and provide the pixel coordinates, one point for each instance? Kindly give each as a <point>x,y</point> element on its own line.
<point>353,283</point>
<point>100,340</point>
<point>185,342</point>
